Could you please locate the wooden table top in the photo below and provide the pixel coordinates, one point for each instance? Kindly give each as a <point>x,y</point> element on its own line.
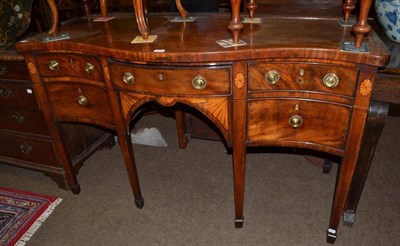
<point>286,38</point>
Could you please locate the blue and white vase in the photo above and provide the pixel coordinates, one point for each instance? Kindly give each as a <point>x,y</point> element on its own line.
<point>388,13</point>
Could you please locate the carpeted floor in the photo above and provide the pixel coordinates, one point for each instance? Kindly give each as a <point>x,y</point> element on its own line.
<point>189,198</point>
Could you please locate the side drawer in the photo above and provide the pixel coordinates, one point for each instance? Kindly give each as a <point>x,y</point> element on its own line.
<point>14,70</point>
<point>302,77</point>
<point>18,94</point>
<point>23,121</point>
<point>70,65</point>
<point>86,102</point>
<point>291,121</point>
<point>29,149</point>
<point>172,81</point>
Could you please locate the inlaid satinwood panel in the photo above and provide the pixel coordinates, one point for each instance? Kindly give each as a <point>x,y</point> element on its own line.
<point>302,77</point>
<point>322,123</point>
<point>172,80</point>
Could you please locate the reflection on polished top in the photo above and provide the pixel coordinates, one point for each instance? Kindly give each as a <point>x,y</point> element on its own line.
<point>196,41</point>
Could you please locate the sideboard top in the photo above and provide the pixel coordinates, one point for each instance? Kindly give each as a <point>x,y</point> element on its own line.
<point>274,38</point>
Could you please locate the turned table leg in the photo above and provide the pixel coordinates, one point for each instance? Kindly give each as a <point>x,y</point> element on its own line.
<point>86,6</point>
<point>251,6</point>
<point>375,122</point>
<point>361,28</point>
<point>348,6</point>
<point>235,25</point>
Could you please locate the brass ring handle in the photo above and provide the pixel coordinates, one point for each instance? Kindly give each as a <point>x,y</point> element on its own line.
<point>330,80</point>
<point>6,93</point>
<point>25,148</point>
<point>199,82</point>
<point>3,70</point>
<point>296,121</point>
<point>53,65</point>
<point>18,117</point>
<point>82,100</point>
<point>272,77</point>
<point>89,67</point>
<point>128,78</point>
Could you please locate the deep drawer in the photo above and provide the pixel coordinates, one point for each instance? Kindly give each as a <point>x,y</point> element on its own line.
<point>23,121</point>
<point>29,149</point>
<point>70,65</point>
<point>302,77</point>
<point>172,80</point>
<point>17,95</point>
<point>13,70</point>
<point>83,102</point>
<point>294,121</point>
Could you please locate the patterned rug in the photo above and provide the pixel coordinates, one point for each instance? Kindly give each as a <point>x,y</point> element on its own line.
<point>21,214</point>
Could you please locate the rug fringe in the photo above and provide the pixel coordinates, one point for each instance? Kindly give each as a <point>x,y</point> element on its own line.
<point>35,226</point>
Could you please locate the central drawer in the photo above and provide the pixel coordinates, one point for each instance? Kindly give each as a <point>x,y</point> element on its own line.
<point>173,81</point>
<point>287,122</point>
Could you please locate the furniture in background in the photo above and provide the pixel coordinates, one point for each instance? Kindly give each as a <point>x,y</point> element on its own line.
<point>25,139</point>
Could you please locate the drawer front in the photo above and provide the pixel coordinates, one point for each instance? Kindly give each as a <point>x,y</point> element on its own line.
<point>80,101</point>
<point>172,80</point>
<point>17,95</point>
<point>28,149</point>
<point>303,77</point>
<point>70,65</point>
<point>13,70</point>
<point>298,121</point>
<point>23,121</point>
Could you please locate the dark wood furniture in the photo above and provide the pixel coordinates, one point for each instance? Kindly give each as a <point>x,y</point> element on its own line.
<point>290,86</point>
<point>25,139</point>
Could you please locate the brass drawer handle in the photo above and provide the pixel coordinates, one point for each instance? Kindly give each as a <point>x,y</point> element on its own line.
<point>330,80</point>
<point>89,67</point>
<point>82,100</point>
<point>199,82</point>
<point>18,117</point>
<point>53,65</point>
<point>3,70</point>
<point>5,93</point>
<point>128,78</point>
<point>25,148</point>
<point>272,77</point>
<point>296,121</point>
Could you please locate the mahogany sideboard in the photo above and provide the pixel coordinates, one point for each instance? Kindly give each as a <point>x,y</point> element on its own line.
<point>25,139</point>
<point>291,85</point>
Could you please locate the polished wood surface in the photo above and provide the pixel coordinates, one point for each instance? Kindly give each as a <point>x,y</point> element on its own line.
<point>186,45</point>
<point>291,79</point>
